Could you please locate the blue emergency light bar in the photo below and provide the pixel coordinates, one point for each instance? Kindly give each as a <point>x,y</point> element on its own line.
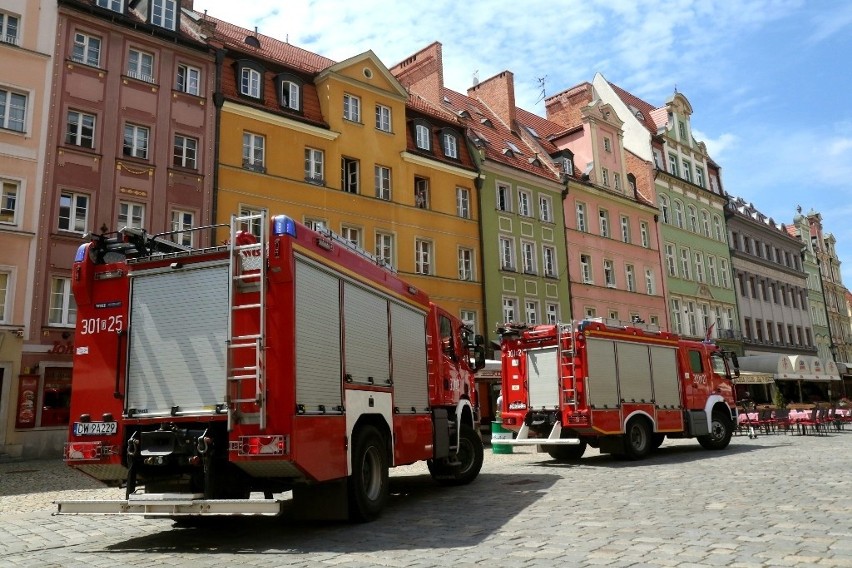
<point>81,253</point>
<point>283,225</point>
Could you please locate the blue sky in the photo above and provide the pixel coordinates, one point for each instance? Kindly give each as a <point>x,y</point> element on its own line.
<point>770,81</point>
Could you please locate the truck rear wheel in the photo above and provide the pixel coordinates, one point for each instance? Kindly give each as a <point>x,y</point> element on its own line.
<point>720,432</point>
<point>368,484</point>
<point>637,439</point>
<point>566,453</point>
<point>467,464</point>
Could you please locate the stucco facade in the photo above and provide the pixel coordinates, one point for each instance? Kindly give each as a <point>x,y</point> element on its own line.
<point>770,282</point>
<point>801,230</point>
<point>27,31</point>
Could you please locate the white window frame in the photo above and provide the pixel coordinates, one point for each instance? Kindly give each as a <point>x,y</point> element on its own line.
<point>686,264</point>
<point>650,282</point>
<point>724,278</point>
<point>451,145</point>
<point>545,208</point>
<point>80,128</point>
<point>705,223</point>
<point>524,203</point>
<point>625,229</point>
<point>421,192</point>
<point>181,221</point>
<point>616,181</point>
<point>687,171</point>
<point>504,198</point>
<point>531,308</point>
<point>315,224</point>
<point>62,309</point>
<point>630,277</point>
<point>510,309</point>
<point>673,166</point>
<point>423,257</point>
<point>712,275</point>
<point>136,139</point>
<point>350,172</point>
<point>291,95</point>
<point>552,313</point>
<point>6,291</point>
<point>528,253</point>
<point>607,144</point>
<point>465,257</point>
<point>87,49</point>
<point>185,152</point>
<point>677,317</point>
<point>699,176</point>
<point>717,228</point>
<point>384,249</point>
<point>603,222</point>
<point>10,197</point>
<point>665,211</point>
<point>382,181</point>
<point>132,213</point>
<point>582,224</point>
<point>9,26</point>
<point>463,202</point>
<point>671,259</point>
<point>351,234</point>
<point>422,137</point>
<point>609,273</point>
<point>77,220</point>
<point>586,269</point>
<point>250,80</point>
<point>13,115</point>
<point>164,13</point>
<point>140,65</point>
<point>692,218</point>
<point>383,118</point>
<point>314,166</point>
<point>605,177</point>
<point>188,79</point>
<point>548,255</point>
<point>252,225</point>
<point>507,253</point>
<point>254,150</point>
<point>699,266</point>
<point>351,108</point>
<point>469,318</point>
<point>644,234</point>
<point>678,214</point>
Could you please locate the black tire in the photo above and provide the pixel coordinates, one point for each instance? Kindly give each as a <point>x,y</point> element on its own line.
<point>469,457</point>
<point>368,484</point>
<point>657,441</point>
<point>637,439</point>
<point>570,453</point>
<point>721,430</point>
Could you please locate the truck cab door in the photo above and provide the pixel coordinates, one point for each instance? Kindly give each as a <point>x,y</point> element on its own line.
<point>697,382</point>
<point>450,382</point>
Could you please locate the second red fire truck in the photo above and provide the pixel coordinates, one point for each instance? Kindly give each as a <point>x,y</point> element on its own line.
<point>288,362</point>
<point>621,389</point>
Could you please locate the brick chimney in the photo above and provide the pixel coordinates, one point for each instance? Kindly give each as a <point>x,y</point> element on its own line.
<point>186,4</point>
<point>564,108</point>
<point>498,93</point>
<point>423,73</point>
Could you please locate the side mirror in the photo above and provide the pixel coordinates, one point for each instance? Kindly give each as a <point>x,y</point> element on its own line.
<point>479,358</point>
<point>736,364</point>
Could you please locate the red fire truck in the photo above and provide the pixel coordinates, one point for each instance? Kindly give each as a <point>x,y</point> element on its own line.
<point>290,363</point>
<point>621,389</point>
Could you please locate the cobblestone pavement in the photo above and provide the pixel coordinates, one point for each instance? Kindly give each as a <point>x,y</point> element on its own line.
<point>774,501</point>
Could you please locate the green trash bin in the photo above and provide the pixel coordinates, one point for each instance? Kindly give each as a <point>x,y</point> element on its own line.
<point>500,433</point>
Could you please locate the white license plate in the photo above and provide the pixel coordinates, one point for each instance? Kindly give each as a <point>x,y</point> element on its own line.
<point>95,428</point>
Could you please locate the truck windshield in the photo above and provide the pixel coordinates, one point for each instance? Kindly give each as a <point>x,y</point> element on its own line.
<point>718,363</point>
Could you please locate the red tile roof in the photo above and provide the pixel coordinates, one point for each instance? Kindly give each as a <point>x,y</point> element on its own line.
<point>646,109</point>
<point>270,48</point>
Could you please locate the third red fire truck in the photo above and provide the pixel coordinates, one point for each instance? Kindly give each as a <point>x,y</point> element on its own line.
<point>288,362</point>
<point>618,388</point>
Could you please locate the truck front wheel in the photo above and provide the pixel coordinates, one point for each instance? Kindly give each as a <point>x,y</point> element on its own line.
<point>467,461</point>
<point>720,432</point>
<point>637,439</point>
<point>368,484</point>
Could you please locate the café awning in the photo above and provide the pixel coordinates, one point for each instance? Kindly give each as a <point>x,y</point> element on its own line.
<point>790,367</point>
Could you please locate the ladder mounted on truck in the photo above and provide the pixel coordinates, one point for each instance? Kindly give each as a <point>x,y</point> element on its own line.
<point>247,273</point>
<point>567,354</point>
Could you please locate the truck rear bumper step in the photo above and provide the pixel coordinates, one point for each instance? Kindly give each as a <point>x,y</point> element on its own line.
<point>158,505</point>
<point>554,438</point>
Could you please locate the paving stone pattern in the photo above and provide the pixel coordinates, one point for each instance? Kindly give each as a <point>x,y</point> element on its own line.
<point>774,501</point>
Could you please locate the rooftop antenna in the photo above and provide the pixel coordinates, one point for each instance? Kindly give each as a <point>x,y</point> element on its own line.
<point>541,81</point>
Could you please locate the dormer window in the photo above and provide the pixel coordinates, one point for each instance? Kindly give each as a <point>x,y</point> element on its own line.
<point>513,148</point>
<point>114,5</point>
<point>164,13</point>
<point>450,141</point>
<point>289,92</point>
<point>487,122</point>
<point>422,137</point>
<point>250,79</point>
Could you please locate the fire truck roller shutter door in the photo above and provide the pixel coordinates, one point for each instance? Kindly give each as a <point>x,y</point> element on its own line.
<point>543,378</point>
<point>408,347</point>
<point>603,381</point>
<point>665,376</point>
<point>178,324</point>
<point>317,338</point>
<point>366,322</point>
<point>634,372</point>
